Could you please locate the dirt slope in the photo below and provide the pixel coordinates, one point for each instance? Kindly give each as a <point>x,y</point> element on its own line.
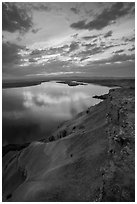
<point>87,158</point>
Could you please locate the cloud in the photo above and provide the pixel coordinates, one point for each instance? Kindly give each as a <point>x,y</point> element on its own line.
<point>118,51</point>
<point>107,17</point>
<point>32,60</point>
<point>35,30</point>
<point>40,7</point>
<point>89,45</point>
<point>36,52</point>
<point>52,50</point>
<point>108,34</point>
<point>74,10</point>
<point>122,58</point>
<point>90,37</point>
<point>110,46</point>
<point>88,52</point>
<point>94,48</point>
<point>73,46</point>
<point>57,50</point>
<point>129,39</point>
<point>131,49</point>
<point>79,25</point>
<point>84,58</point>
<point>15,18</point>
<point>116,58</point>
<point>10,53</point>
<point>75,35</point>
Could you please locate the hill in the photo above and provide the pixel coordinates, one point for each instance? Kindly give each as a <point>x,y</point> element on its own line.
<point>90,158</point>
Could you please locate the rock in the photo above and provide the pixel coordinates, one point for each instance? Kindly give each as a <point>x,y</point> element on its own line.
<point>51,138</point>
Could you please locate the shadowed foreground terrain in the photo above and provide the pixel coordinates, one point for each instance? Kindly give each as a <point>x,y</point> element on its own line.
<point>90,158</point>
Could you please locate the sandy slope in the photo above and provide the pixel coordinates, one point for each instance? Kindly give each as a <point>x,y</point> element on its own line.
<point>69,168</point>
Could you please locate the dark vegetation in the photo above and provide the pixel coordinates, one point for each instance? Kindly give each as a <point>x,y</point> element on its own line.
<point>71,83</point>
<point>13,147</point>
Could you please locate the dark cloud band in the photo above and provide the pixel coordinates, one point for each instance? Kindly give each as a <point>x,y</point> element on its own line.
<point>15,18</point>
<point>107,17</point>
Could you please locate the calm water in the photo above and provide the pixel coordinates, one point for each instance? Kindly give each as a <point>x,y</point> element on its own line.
<point>32,113</point>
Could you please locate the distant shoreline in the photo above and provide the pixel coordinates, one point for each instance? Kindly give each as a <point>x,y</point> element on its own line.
<point>110,82</point>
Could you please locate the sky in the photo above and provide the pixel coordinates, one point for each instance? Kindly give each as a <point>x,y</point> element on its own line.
<point>68,38</point>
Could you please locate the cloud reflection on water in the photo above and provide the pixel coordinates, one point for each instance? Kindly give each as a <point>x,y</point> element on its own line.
<point>31,113</point>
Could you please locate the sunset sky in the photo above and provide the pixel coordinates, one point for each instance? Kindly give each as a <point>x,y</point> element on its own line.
<point>55,39</point>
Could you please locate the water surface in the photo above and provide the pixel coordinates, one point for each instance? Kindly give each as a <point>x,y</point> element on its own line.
<point>32,113</point>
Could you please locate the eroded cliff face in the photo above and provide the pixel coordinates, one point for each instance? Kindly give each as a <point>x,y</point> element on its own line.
<point>90,158</point>
<point>119,172</point>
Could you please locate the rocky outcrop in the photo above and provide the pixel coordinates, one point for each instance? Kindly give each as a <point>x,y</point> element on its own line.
<point>102,97</point>
<point>119,172</point>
